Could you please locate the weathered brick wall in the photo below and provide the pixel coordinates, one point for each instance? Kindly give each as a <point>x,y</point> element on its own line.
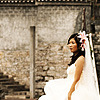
<point>15,25</point>
<point>51,63</point>
<point>54,24</point>
<point>16,64</point>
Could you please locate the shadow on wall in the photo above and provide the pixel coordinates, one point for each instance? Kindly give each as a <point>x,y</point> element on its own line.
<point>78,23</point>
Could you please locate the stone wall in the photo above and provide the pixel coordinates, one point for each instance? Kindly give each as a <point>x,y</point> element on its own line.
<point>54,25</point>
<point>15,25</point>
<point>51,63</point>
<point>16,64</point>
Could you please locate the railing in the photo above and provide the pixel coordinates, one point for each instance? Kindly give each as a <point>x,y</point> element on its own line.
<point>16,1</point>
<point>32,1</point>
<point>72,1</point>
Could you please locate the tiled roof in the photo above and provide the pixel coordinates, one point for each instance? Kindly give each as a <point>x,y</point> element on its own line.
<point>16,1</point>
<point>32,1</point>
<point>73,1</point>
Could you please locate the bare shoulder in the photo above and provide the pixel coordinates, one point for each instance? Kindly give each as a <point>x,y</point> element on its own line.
<point>80,60</point>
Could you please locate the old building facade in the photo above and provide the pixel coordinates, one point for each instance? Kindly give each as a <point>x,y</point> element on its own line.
<point>53,21</point>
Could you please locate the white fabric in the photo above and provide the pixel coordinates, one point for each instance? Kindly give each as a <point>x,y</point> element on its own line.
<point>88,71</point>
<point>85,88</point>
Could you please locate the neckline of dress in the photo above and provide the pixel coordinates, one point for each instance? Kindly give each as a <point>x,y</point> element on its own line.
<point>72,65</point>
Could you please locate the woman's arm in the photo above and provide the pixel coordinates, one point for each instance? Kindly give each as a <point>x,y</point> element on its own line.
<point>79,67</point>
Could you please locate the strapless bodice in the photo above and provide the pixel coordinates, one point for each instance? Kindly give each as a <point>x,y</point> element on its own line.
<point>71,70</point>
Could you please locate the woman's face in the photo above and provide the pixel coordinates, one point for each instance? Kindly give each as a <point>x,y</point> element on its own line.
<point>73,45</point>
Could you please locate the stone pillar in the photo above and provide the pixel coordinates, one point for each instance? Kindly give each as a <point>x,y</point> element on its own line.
<point>32,62</point>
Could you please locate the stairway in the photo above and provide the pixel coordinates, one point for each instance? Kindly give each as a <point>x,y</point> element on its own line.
<point>9,89</point>
<point>96,44</point>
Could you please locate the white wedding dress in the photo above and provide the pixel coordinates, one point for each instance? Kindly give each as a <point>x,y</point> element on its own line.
<point>85,89</point>
<point>58,89</point>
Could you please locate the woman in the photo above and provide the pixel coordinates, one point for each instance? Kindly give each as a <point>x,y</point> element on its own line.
<point>80,84</point>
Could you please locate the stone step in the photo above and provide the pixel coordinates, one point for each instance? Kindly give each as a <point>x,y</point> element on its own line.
<point>8,83</point>
<point>15,97</point>
<point>3,76</point>
<point>21,93</point>
<point>6,79</point>
<point>11,89</point>
<point>26,93</point>
<point>1,73</point>
<point>18,95</point>
<point>15,87</point>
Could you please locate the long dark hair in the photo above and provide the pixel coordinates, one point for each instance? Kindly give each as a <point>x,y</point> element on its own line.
<point>74,57</point>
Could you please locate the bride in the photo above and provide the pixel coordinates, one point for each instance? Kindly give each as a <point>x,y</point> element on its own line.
<point>80,83</point>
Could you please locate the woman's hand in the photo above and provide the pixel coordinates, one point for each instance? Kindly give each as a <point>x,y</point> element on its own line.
<point>69,96</point>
